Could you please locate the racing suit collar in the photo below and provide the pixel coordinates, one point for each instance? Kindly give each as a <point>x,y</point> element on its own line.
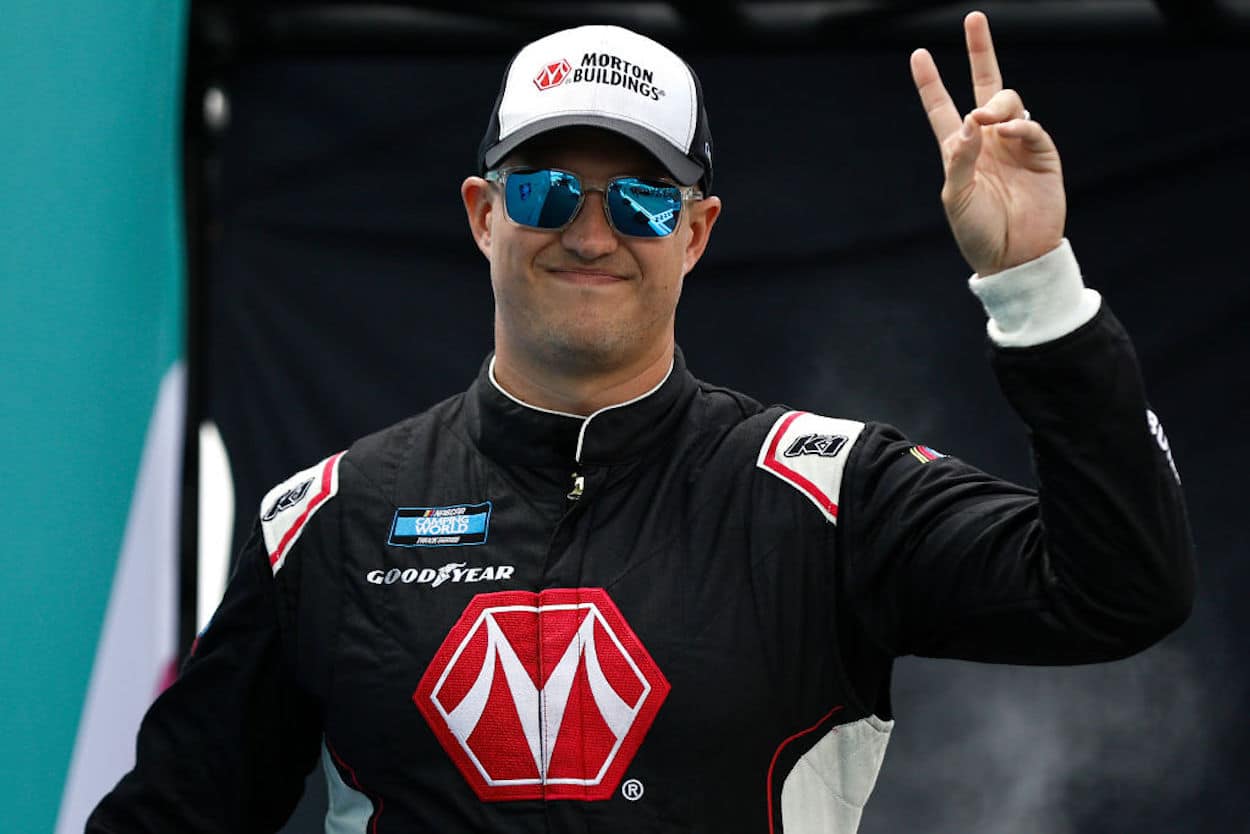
<point>510,430</point>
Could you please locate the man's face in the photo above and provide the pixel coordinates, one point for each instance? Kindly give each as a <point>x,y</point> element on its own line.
<point>584,298</point>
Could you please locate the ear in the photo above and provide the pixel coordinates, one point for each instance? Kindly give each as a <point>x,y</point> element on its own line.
<point>703,214</point>
<point>478,196</point>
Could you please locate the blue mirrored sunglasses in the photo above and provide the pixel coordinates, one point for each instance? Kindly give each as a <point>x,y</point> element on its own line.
<point>549,199</point>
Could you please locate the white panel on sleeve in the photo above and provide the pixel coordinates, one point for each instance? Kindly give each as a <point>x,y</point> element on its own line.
<point>286,509</point>
<point>1037,301</point>
<point>809,452</point>
<point>827,789</point>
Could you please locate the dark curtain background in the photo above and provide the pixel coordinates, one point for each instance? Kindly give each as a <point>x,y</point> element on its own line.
<point>343,293</point>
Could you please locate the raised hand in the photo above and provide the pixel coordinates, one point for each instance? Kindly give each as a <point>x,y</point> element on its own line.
<point>1003,193</point>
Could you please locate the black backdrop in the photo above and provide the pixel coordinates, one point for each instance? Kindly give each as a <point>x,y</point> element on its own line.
<point>343,292</point>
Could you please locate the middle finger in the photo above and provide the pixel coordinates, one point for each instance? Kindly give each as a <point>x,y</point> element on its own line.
<point>986,78</point>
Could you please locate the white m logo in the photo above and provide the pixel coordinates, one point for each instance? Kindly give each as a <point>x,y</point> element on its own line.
<point>543,696</point>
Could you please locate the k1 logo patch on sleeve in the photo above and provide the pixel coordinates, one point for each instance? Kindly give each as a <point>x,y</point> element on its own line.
<point>461,524</point>
<point>809,452</point>
<point>286,509</point>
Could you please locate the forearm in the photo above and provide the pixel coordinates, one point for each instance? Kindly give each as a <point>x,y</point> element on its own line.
<point>226,747</point>
<point>1116,539</point>
<point>946,560</point>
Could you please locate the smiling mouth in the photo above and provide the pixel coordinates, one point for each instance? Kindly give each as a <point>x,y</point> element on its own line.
<point>587,277</point>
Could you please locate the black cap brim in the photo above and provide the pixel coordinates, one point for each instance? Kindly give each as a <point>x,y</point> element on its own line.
<point>683,169</point>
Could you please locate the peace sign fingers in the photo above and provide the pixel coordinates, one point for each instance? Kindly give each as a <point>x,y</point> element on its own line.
<point>987,79</point>
<point>1003,190</point>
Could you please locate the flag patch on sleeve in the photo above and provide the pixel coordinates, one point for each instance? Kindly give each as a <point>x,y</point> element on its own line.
<point>924,454</point>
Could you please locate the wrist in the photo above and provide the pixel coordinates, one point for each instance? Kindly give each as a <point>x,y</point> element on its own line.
<point>1036,301</point>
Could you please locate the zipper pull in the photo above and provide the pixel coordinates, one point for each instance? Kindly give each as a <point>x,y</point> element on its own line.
<point>579,483</point>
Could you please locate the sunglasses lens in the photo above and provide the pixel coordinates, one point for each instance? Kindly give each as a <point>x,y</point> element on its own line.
<point>548,199</point>
<point>542,199</point>
<point>644,208</point>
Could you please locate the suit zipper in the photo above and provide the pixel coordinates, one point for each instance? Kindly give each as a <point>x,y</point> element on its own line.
<point>579,483</point>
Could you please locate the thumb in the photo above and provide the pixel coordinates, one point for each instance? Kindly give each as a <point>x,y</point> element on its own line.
<point>965,147</point>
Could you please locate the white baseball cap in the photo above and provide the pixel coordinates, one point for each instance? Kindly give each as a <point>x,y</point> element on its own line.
<point>606,77</point>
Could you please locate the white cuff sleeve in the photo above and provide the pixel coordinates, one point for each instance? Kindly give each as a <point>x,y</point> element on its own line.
<point>1037,301</point>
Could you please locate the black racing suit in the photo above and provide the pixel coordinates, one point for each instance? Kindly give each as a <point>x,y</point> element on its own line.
<point>678,615</point>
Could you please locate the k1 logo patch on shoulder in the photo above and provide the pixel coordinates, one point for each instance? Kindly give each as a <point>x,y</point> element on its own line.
<point>440,526</point>
<point>286,509</point>
<point>809,452</point>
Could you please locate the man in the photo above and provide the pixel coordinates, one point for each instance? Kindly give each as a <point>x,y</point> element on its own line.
<point>594,594</point>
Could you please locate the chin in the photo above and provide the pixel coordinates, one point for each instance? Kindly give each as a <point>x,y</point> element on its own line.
<point>574,347</point>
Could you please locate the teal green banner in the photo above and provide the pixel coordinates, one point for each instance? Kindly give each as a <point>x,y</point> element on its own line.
<point>90,320</point>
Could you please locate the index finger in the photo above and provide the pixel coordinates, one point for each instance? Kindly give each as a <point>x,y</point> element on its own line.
<point>943,117</point>
<point>986,77</point>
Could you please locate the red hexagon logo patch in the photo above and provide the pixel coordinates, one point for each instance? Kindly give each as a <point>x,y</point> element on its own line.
<point>552,75</point>
<point>541,695</point>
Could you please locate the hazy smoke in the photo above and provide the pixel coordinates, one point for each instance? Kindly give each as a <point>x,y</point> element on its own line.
<point>1015,750</point>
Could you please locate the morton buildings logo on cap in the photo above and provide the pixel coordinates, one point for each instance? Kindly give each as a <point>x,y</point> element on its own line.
<point>600,68</point>
<point>552,75</point>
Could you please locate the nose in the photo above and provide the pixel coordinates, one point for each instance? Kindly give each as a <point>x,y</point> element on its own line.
<point>589,236</point>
